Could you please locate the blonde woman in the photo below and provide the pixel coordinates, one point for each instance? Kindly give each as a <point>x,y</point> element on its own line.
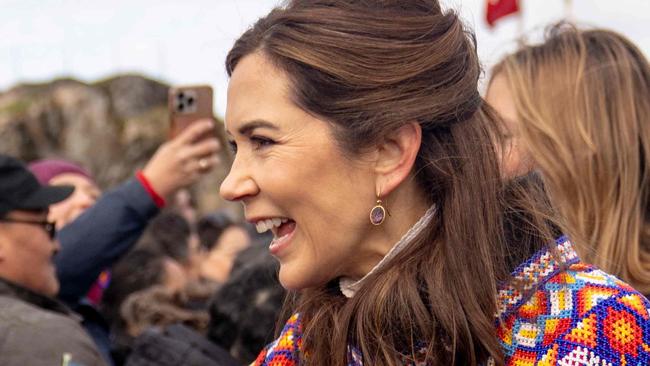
<point>577,107</point>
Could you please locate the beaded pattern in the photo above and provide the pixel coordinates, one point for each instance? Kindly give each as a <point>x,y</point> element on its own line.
<point>562,312</point>
<point>529,274</point>
<point>574,316</point>
<point>284,351</point>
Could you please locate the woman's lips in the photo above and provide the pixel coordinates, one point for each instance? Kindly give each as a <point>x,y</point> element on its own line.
<point>283,238</point>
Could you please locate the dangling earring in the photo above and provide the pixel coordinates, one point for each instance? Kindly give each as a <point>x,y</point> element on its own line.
<point>378,213</point>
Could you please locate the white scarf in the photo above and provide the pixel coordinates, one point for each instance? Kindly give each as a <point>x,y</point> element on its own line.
<point>349,287</point>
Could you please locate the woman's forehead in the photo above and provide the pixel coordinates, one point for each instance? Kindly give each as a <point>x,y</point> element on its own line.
<point>257,91</point>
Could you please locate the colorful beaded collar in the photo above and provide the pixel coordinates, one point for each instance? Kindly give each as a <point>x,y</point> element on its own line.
<point>544,264</point>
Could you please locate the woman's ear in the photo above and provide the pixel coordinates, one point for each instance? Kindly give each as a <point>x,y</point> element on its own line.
<point>396,157</point>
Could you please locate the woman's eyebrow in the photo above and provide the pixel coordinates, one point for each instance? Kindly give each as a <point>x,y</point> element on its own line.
<point>248,127</point>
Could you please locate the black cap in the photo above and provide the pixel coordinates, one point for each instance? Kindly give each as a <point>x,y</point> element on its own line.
<point>19,189</point>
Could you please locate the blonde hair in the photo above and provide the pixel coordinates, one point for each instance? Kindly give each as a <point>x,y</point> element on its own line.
<point>583,104</point>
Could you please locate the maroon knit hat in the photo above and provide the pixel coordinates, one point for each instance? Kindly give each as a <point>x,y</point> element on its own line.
<point>46,169</point>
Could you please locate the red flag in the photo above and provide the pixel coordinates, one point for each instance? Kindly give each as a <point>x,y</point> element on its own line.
<point>497,9</point>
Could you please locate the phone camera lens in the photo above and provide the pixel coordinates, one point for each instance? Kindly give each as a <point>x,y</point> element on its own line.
<point>190,101</point>
<point>180,96</point>
<point>181,106</point>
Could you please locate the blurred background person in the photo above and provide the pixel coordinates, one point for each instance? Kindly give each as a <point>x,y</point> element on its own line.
<point>95,231</point>
<point>210,227</point>
<point>577,107</point>
<point>35,328</point>
<point>159,306</point>
<point>154,316</point>
<point>244,311</point>
<point>170,234</point>
<point>219,255</point>
<point>184,204</point>
<point>139,270</point>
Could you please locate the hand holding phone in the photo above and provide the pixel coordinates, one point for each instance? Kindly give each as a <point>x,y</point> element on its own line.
<point>182,160</point>
<point>188,104</point>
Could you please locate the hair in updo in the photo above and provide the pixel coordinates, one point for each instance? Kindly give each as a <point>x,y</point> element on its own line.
<point>368,68</point>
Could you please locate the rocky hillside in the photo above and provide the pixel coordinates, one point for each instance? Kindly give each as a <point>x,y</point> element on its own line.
<point>111,127</point>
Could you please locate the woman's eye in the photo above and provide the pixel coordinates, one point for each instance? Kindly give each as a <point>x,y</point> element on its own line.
<point>261,142</point>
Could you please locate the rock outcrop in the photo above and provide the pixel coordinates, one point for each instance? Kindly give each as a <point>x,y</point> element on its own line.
<point>112,127</point>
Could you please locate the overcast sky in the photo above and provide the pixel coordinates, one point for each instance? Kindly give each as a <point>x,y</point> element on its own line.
<point>185,42</point>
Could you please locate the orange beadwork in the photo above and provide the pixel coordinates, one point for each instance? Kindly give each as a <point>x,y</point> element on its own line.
<point>566,313</point>
<point>574,314</point>
<point>285,350</point>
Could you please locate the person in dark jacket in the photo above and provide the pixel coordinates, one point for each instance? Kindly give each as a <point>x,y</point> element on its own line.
<point>35,328</point>
<point>177,345</point>
<point>95,231</point>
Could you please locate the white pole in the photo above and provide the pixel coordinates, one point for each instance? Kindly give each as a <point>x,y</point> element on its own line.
<point>568,11</point>
<point>521,27</point>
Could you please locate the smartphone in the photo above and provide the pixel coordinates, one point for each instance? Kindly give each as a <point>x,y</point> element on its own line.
<point>188,104</point>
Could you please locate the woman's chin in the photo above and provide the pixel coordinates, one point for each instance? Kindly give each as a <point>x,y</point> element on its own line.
<point>295,279</point>
<point>290,280</point>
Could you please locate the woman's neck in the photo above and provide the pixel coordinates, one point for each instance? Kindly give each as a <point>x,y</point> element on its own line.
<point>406,219</point>
<point>404,207</point>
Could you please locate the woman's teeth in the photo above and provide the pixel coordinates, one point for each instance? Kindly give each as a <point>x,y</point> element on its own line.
<point>263,226</point>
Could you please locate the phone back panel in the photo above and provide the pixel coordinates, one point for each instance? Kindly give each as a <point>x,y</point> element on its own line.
<point>188,104</point>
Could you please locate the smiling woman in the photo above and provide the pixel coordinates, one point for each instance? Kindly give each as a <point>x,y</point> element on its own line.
<point>325,130</point>
<point>295,181</point>
<point>362,143</point>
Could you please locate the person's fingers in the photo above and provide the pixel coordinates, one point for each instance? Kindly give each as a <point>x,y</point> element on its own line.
<point>200,149</point>
<point>207,163</point>
<point>190,167</point>
<point>201,165</point>
<point>194,131</point>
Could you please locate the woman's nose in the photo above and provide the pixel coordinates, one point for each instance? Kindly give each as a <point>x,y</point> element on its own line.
<point>239,183</point>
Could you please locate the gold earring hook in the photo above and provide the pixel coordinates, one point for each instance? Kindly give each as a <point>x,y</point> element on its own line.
<point>378,212</point>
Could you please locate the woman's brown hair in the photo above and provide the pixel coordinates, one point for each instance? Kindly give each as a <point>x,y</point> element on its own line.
<point>583,104</point>
<point>369,67</point>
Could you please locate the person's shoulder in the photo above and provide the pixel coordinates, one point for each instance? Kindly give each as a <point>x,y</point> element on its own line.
<point>286,348</point>
<point>17,312</point>
<point>177,344</point>
<point>34,334</point>
<point>592,288</point>
<point>581,313</point>
<point>611,323</point>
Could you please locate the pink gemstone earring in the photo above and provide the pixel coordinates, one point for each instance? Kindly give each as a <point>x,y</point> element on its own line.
<point>378,213</point>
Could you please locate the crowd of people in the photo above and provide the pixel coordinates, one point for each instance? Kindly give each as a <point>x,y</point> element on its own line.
<point>393,214</point>
<point>118,264</point>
